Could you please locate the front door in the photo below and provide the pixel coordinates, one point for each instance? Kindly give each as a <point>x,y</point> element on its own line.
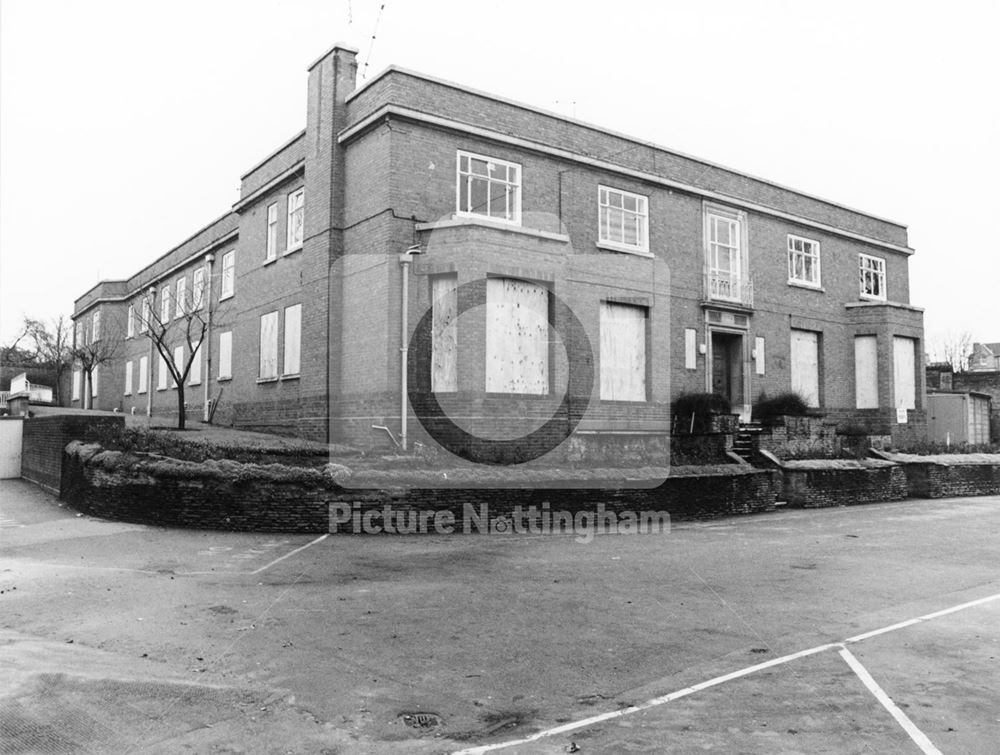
<point>727,367</point>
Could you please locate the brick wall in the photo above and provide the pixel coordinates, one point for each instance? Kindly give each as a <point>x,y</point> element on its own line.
<point>233,496</point>
<point>813,486</point>
<point>937,479</point>
<point>45,438</point>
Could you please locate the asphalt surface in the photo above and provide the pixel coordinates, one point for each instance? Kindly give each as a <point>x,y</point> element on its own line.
<point>125,638</point>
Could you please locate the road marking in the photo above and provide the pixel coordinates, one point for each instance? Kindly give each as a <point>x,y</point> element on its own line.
<point>657,701</point>
<point>319,539</point>
<point>921,740</point>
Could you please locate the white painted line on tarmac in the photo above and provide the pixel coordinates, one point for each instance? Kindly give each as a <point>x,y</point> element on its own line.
<point>925,617</point>
<point>657,701</point>
<point>919,738</point>
<point>319,539</point>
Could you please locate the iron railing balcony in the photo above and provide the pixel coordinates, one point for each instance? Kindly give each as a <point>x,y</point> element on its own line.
<point>729,287</point>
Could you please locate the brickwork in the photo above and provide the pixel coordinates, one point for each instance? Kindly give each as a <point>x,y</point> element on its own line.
<point>45,438</point>
<point>233,496</point>
<point>818,485</point>
<point>938,479</point>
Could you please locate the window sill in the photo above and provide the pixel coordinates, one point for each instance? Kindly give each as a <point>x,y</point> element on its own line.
<point>292,249</point>
<point>611,246</point>
<point>227,296</point>
<point>141,393</point>
<point>223,378</point>
<point>468,221</point>
<point>269,260</point>
<point>262,380</point>
<point>803,284</point>
<point>625,401</point>
<point>194,385</point>
<point>868,297</point>
<point>294,376</point>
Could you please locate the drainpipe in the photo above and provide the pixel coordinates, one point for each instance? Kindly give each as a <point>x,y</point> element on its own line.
<point>405,258</point>
<point>207,340</point>
<point>149,359</point>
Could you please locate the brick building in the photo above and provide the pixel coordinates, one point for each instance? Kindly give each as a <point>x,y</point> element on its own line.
<point>615,275</point>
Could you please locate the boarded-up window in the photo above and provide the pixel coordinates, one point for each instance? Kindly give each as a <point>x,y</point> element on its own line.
<point>805,365</point>
<point>690,348</point>
<point>228,275</point>
<point>194,377</point>
<point>143,374</point>
<point>293,340</point>
<point>161,375</point>
<point>269,345</point>
<point>182,302</point>
<point>866,372</point>
<point>76,384</point>
<point>94,380</point>
<point>517,337</point>
<point>444,334</point>
<point>198,290</point>
<point>623,352</point>
<point>904,372</point>
<point>758,355</point>
<point>128,378</point>
<point>225,355</point>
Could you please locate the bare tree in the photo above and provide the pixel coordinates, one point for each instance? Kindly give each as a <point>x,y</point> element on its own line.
<point>93,351</point>
<point>184,318</point>
<point>52,341</point>
<point>953,348</point>
<point>13,352</point>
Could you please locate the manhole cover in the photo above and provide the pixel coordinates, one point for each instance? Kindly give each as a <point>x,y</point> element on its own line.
<point>422,721</point>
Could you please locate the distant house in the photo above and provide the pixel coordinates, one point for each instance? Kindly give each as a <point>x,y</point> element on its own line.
<point>985,357</point>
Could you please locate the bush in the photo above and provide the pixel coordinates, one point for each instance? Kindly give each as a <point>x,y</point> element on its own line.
<point>693,412</point>
<point>932,448</point>
<point>784,404</point>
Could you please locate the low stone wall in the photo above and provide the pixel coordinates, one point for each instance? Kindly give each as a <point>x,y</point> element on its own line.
<point>274,498</point>
<point>812,484</point>
<point>952,475</point>
<point>45,437</point>
<point>798,436</point>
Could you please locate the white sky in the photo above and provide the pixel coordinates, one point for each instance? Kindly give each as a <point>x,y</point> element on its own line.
<point>124,126</point>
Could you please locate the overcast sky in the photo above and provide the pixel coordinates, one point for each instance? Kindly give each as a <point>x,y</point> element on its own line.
<point>124,126</point>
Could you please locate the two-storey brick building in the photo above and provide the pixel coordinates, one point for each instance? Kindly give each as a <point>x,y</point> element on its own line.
<point>558,279</point>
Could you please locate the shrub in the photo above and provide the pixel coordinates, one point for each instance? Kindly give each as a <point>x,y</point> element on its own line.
<point>693,412</point>
<point>784,404</point>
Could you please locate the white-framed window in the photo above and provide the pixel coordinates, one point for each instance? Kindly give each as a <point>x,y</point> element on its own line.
<point>803,261</point>
<point>95,375</point>
<point>872,277</point>
<point>623,219</point>
<point>623,352</point>
<point>198,289</point>
<point>268,346</point>
<point>444,334</point>
<point>128,378</point>
<point>77,377</point>
<point>488,187</point>
<point>166,293</point>
<point>143,374</point>
<point>724,249</point>
<point>228,274</point>
<point>293,340</point>
<point>95,327</point>
<point>517,337</point>
<point>130,321</point>
<point>296,219</point>
<point>147,313</point>
<point>194,377</point>
<point>181,297</point>
<point>162,375</point>
<point>178,363</point>
<point>225,355</point>
<point>271,246</point>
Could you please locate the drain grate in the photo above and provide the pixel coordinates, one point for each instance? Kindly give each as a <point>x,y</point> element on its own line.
<point>422,721</point>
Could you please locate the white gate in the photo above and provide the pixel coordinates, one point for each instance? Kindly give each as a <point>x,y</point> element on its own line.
<point>10,447</point>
